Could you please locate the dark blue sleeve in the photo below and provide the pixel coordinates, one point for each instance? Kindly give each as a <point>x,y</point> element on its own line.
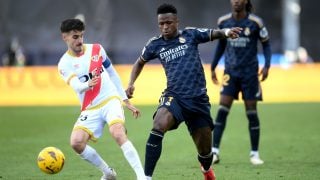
<point>267,53</point>
<point>148,53</point>
<point>222,43</point>
<point>201,35</point>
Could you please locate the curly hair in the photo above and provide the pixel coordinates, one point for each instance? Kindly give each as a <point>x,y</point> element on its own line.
<point>166,8</point>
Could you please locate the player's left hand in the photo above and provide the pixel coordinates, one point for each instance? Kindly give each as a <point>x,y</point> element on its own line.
<point>234,32</point>
<point>129,91</point>
<point>264,73</point>
<point>135,111</point>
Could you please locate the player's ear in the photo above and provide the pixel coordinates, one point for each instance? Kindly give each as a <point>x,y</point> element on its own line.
<point>64,36</point>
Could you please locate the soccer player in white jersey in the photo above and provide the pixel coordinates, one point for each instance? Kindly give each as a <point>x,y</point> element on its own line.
<point>88,70</point>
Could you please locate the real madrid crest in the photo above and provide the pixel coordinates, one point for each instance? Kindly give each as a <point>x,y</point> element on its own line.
<point>182,39</point>
<point>247,31</point>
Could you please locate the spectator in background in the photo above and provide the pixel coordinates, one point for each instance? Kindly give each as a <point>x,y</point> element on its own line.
<point>14,55</point>
<point>303,56</point>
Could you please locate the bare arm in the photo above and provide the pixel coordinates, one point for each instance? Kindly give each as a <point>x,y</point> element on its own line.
<point>136,70</point>
<point>232,33</point>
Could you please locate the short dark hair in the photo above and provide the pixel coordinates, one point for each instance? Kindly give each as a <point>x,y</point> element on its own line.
<point>72,25</point>
<point>166,8</point>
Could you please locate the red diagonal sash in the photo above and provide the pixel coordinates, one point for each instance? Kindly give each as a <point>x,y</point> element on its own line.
<point>95,68</point>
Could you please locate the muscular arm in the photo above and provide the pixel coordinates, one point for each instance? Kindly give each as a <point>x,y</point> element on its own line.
<point>136,70</point>
<point>225,33</point>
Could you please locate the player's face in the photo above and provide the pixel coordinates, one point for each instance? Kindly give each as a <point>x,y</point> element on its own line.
<point>168,25</point>
<point>74,41</point>
<point>238,5</point>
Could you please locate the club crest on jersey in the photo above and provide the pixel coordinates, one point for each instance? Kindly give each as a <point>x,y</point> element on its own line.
<point>247,31</point>
<point>95,58</point>
<point>182,40</point>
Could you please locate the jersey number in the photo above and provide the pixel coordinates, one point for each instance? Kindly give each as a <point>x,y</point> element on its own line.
<point>83,117</point>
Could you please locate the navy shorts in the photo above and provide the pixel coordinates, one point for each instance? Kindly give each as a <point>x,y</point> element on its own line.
<point>248,85</point>
<point>195,112</point>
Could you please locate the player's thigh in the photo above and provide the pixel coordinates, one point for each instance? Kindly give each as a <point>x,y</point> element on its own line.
<point>118,133</point>
<point>163,119</point>
<point>113,115</point>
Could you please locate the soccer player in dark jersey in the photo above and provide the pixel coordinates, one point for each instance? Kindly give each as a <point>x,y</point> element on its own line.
<point>185,98</point>
<point>241,72</point>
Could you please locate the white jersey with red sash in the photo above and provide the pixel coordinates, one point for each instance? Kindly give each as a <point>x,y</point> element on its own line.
<point>84,67</point>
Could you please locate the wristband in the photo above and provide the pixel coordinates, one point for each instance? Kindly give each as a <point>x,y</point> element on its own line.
<point>226,32</point>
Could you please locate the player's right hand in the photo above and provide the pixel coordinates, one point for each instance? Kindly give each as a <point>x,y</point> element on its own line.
<point>234,32</point>
<point>129,91</point>
<point>94,81</point>
<point>214,78</point>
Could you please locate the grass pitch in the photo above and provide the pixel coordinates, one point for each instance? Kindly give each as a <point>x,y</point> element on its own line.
<point>290,145</point>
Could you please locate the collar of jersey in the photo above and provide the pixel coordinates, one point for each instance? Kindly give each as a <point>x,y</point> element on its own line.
<point>73,55</point>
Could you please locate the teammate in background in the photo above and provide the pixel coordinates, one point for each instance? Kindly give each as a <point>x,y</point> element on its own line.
<point>185,98</point>
<point>241,72</point>
<point>88,70</point>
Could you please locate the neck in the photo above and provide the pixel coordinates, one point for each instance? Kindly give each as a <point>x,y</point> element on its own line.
<point>172,36</point>
<point>77,53</point>
<point>239,15</point>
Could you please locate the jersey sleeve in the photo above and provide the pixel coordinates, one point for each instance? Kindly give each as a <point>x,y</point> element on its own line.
<point>65,72</point>
<point>263,34</point>
<point>148,51</point>
<point>201,35</point>
<point>106,62</point>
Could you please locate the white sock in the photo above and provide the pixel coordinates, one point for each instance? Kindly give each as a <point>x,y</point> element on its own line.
<point>89,154</point>
<point>215,150</point>
<point>131,154</point>
<point>254,153</point>
<point>149,178</point>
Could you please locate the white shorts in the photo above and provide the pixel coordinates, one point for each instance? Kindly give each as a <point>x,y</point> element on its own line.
<point>93,121</point>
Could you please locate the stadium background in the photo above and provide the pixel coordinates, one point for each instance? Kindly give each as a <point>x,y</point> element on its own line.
<point>123,27</point>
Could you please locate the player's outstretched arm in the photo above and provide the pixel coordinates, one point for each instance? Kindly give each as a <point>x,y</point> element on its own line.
<point>136,70</point>
<point>232,33</point>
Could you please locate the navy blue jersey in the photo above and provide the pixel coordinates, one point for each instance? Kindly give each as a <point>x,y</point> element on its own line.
<point>241,53</point>
<point>181,60</point>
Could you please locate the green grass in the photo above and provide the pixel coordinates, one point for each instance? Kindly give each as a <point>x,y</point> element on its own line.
<point>290,145</point>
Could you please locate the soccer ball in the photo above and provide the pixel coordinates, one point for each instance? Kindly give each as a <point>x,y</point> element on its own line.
<point>51,160</point>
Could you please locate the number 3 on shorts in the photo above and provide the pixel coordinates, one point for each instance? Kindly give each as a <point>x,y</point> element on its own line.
<point>82,117</point>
